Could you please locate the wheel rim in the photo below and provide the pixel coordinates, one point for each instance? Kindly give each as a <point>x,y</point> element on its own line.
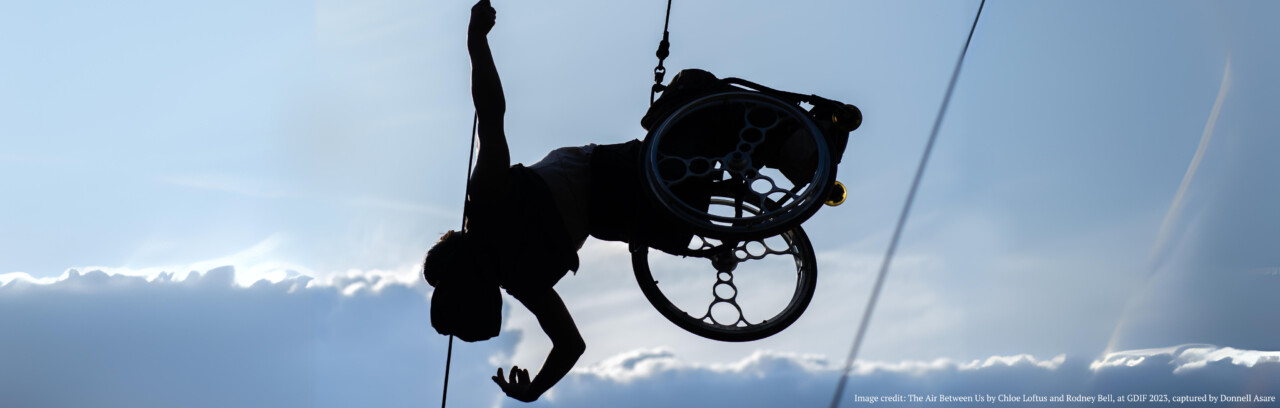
<point>733,160</point>
<point>741,325</point>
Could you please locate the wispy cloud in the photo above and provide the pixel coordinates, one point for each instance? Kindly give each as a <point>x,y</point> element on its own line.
<point>383,203</point>
<point>258,189</point>
<point>226,184</point>
<point>34,159</point>
<point>1175,207</point>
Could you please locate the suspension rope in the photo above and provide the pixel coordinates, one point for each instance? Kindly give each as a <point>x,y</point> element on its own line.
<point>471,157</point>
<point>448,359</point>
<point>902,218</point>
<point>664,49</point>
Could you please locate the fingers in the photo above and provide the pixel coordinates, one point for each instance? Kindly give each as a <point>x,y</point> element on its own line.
<point>524,376</point>
<point>517,376</point>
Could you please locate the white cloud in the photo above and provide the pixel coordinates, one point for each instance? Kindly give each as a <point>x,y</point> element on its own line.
<point>364,339</point>
<point>1188,357</point>
<point>100,339</point>
<point>657,377</point>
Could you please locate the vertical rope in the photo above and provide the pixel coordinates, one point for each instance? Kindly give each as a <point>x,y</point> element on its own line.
<point>664,49</point>
<point>666,24</point>
<point>902,218</point>
<point>471,157</point>
<point>444,396</point>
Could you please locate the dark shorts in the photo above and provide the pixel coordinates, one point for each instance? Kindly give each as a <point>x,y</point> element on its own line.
<point>621,208</point>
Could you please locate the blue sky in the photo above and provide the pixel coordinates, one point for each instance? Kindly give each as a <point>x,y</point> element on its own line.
<point>1083,198</point>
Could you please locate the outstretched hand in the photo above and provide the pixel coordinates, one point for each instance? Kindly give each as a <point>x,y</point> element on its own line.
<point>518,386</point>
<point>483,16</point>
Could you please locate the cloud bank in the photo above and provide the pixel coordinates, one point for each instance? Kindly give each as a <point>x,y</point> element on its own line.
<point>657,378</point>
<point>99,339</point>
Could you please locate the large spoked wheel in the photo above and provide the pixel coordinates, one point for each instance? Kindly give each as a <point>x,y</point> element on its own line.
<point>745,146</point>
<point>760,287</point>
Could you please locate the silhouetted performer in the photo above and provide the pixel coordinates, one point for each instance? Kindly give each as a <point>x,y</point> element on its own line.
<point>524,227</point>
<point>525,224</point>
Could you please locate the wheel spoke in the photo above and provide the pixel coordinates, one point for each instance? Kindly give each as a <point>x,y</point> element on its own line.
<point>742,253</point>
<point>688,167</point>
<point>723,291</point>
<point>770,187</point>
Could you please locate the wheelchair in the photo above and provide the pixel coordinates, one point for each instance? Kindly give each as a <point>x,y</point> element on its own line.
<point>742,166</point>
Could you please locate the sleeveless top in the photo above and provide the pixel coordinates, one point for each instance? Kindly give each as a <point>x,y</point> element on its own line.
<point>567,172</point>
<point>530,240</point>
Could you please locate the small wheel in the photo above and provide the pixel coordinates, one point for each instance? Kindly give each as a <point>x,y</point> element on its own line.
<point>746,146</point>
<point>761,266</point>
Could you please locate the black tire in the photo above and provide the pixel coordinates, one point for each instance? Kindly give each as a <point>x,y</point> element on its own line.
<point>806,282</point>
<point>663,159</point>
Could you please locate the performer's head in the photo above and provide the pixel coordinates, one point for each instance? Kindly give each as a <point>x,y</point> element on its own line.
<point>465,303</point>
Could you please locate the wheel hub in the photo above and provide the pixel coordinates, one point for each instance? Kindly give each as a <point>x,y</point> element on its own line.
<point>724,262</point>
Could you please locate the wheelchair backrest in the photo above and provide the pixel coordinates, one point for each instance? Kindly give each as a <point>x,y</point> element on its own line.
<point>690,84</point>
<point>686,86</point>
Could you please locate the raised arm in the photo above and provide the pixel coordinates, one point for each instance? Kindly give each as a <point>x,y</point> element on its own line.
<point>489,182</point>
<point>566,347</point>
